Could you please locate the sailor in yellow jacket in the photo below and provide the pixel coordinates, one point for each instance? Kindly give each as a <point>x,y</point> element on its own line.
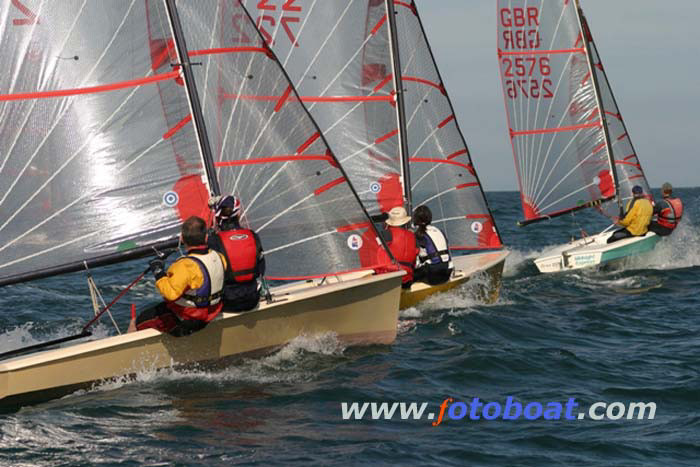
<point>636,221</point>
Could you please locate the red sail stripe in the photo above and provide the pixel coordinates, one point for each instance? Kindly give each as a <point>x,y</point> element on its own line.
<point>329,185</point>
<point>478,216</point>
<point>311,98</point>
<point>629,163</point>
<point>457,154</point>
<point>437,86</point>
<point>441,161</point>
<point>384,82</point>
<point>351,227</point>
<point>227,50</point>
<point>378,26</point>
<point>168,134</point>
<point>622,136</point>
<point>387,136</point>
<point>465,185</point>
<point>542,52</point>
<point>446,121</point>
<point>556,130</point>
<point>89,90</point>
<point>630,157</point>
<point>283,98</point>
<point>308,142</point>
<point>284,158</point>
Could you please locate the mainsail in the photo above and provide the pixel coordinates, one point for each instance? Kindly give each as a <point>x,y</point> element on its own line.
<point>269,151</point>
<point>627,165</point>
<point>441,171</point>
<point>338,55</point>
<point>91,167</point>
<point>561,143</point>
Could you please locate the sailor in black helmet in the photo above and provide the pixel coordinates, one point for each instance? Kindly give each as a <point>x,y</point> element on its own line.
<point>243,251</point>
<point>434,264</point>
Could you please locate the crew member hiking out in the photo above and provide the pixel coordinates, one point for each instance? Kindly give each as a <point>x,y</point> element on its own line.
<point>434,264</point>
<point>669,212</point>
<point>636,221</point>
<point>401,242</point>
<point>192,286</point>
<point>244,255</point>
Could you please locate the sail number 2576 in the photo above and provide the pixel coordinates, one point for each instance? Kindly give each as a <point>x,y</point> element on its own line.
<point>525,77</point>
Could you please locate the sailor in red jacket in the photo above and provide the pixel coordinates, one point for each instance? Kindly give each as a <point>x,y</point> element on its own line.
<point>244,255</point>
<point>669,212</point>
<point>401,242</point>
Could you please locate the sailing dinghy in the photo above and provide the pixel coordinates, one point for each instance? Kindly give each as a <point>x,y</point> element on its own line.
<point>572,149</point>
<point>108,151</point>
<point>348,59</point>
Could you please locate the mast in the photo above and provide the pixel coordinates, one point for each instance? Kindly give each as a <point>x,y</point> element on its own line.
<point>599,99</point>
<point>400,106</point>
<point>193,97</point>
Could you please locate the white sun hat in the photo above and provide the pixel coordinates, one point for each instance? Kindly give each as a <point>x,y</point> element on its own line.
<point>398,217</point>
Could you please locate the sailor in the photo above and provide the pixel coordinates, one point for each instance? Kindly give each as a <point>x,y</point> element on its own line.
<point>244,254</point>
<point>669,212</point>
<point>192,286</point>
<point>434,265</point>
<point>636,221</point>
<point>401,242</point>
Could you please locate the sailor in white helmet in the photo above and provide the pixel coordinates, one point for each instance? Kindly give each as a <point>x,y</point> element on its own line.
<point>434,264</point>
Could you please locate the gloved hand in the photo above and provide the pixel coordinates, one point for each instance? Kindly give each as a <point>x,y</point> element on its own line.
<point>157,266</point>
<point>213,201</point>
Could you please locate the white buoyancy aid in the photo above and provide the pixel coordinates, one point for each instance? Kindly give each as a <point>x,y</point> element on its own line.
<point>433,248</point>
<point>209,293</point>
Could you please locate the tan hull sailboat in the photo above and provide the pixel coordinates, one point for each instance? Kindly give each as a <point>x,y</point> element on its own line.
<point>359,310</point>
<point>488,265</point>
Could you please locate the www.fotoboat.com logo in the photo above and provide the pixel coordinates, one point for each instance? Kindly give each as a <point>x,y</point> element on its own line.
<point>450,409</point>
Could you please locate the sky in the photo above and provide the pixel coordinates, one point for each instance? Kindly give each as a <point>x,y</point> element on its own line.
<point>651,53</point>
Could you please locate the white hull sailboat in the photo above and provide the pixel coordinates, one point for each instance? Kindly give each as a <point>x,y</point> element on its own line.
<point>358,310</point>
<point>593,251</point>
<point>572,148</point>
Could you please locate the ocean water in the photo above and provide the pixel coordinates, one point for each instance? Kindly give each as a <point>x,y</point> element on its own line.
<point>630,334</point>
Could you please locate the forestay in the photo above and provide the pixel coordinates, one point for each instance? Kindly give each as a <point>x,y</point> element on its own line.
<point>269,151</point>
<point>442,173</point>
<point>338,55</point>
<point>627,166</point>
<point>561,153</point>
<point>91,167</point>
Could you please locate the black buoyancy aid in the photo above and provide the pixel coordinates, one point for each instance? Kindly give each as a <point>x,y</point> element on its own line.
<point>433,245</point>
<point>671,215</point>
<point>242,253</point>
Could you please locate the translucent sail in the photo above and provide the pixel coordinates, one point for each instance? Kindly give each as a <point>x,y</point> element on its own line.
<point>561,154</point>
<point>442,173</point>
<point>90,167</point>
<point>269,152</point>
<point>627,165</point>
<point>338,55</point>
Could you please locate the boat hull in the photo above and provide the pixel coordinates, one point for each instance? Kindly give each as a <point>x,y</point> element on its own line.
<point>465,268</point>
<point>360,311</point>
<point>593,251</point>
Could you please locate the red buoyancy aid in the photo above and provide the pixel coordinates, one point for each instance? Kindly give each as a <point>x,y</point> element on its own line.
<point>241,253</point>
<point>671,215</point>
<point>403,247</point>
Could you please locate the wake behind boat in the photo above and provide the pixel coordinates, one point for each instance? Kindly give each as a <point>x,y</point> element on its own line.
<point>572,149</point>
